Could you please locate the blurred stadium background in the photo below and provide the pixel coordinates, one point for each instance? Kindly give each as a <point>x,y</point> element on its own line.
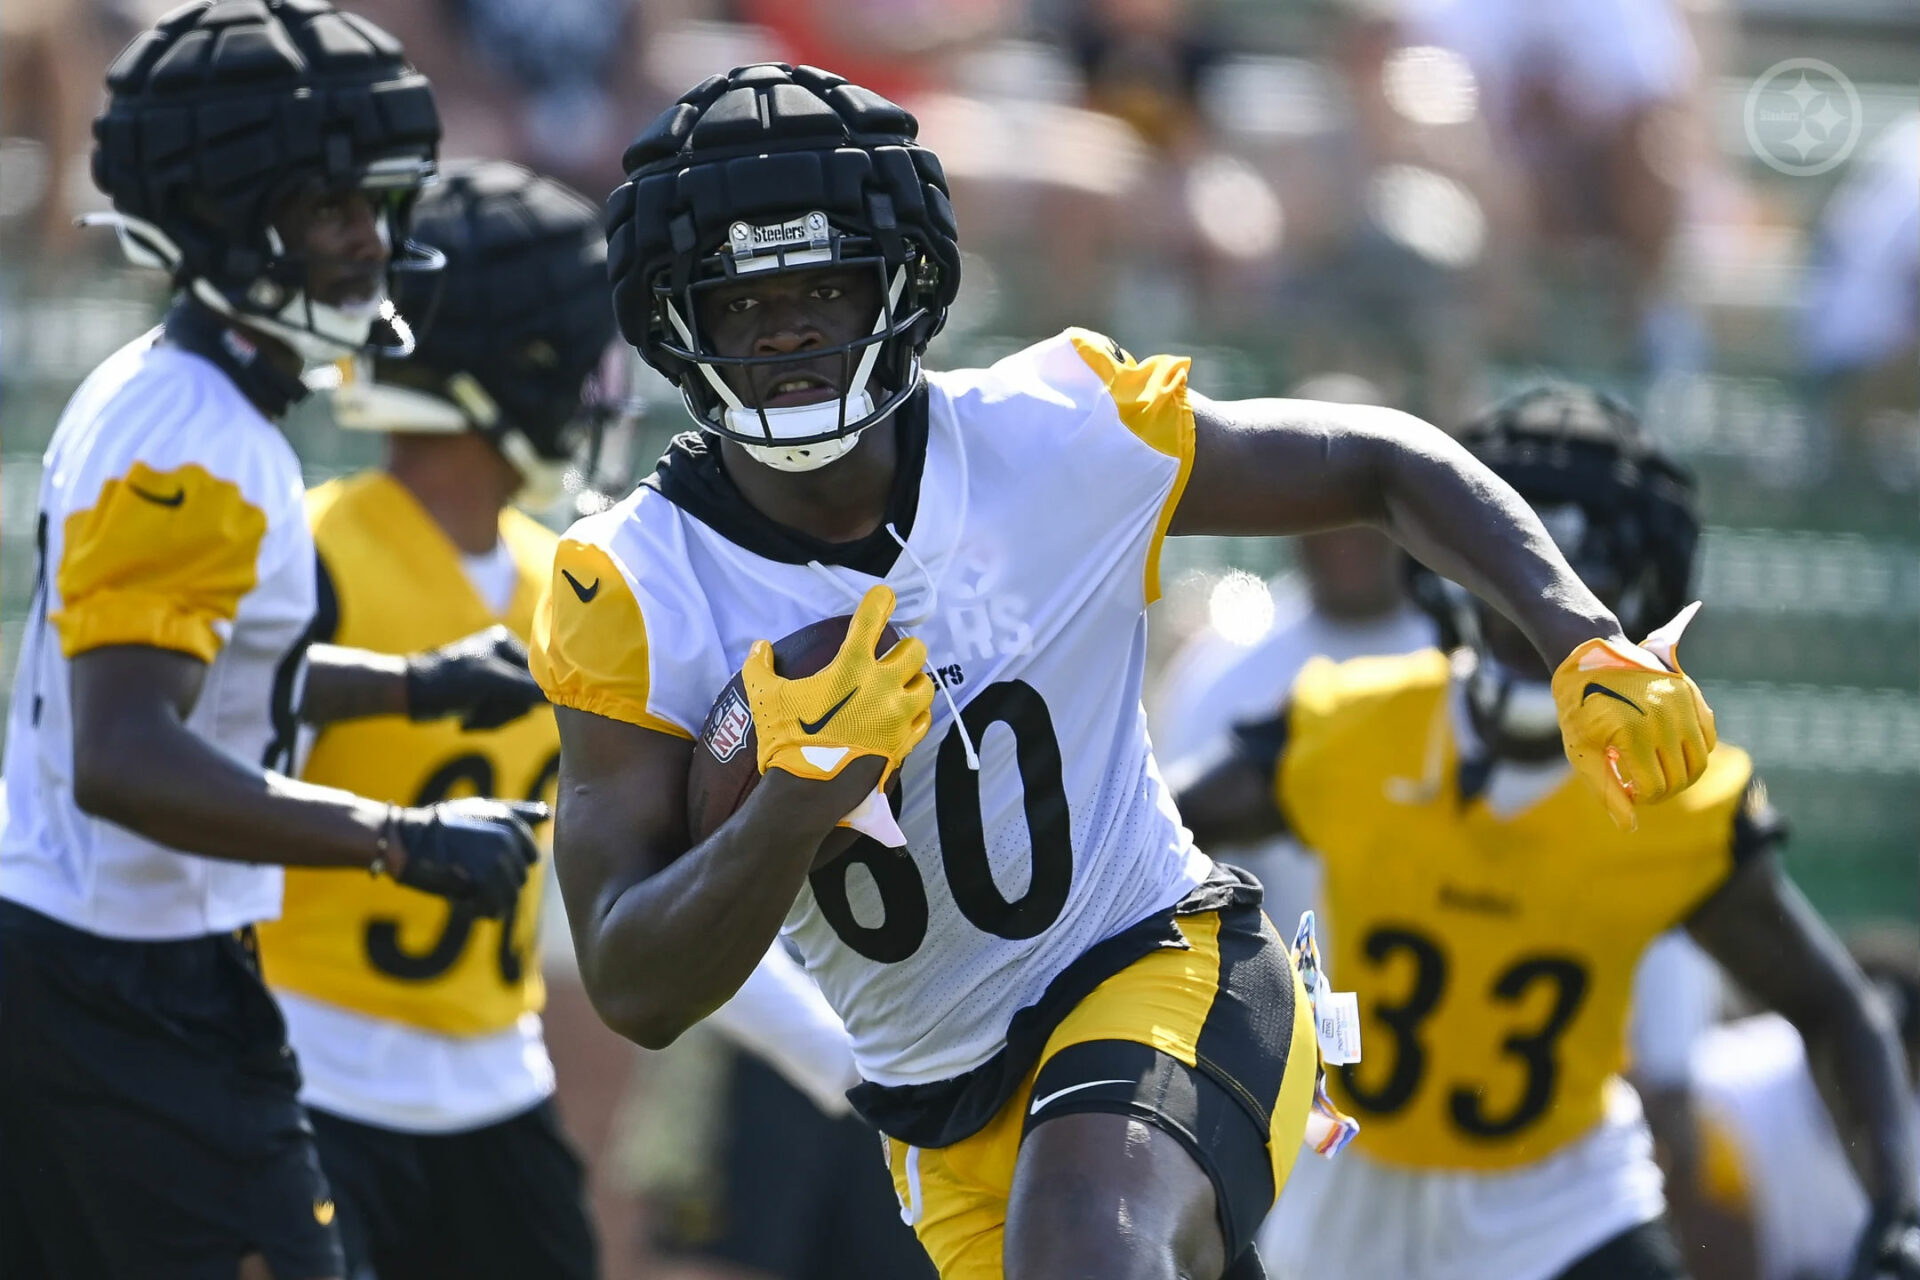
<point>1711,207</point>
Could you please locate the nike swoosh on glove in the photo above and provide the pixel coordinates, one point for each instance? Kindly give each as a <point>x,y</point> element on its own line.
<point>1634,724</point>
<point>1889,1248</point>
<point>857,705</point>
<point>482,678</point>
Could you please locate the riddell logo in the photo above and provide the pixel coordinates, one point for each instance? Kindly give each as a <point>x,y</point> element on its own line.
<point>728,731</point>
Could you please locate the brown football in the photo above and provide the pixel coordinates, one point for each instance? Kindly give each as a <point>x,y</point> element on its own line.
<point>726,759</point>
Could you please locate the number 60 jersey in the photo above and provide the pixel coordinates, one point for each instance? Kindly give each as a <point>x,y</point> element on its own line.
<point>1032,498</point>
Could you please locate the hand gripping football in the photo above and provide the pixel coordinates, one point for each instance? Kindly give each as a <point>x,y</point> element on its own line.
<point>725,767</point>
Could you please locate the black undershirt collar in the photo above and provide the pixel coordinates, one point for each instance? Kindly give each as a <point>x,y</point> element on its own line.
<point>690,475</point>
<point>191,325</point>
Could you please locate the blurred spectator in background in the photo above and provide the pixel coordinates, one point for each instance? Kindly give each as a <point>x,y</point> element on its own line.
<point>748,1155</point>
<point>555,84</point>
<point>900,49</point>
<point>1592,108</point>
<point>50,59</point>
<point>1143,61</point>
<point>1860,325</point>
<point>1347,601</point>
<point>1772,1166</point>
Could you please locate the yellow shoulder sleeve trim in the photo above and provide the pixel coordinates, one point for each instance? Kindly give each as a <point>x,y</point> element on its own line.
<point>589,644</point>
<point>1152,399</point>
<point>161,559</point>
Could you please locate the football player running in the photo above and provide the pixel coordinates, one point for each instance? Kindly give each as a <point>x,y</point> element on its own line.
<point>1087,1048</point>
<point>1491,920</point>
<point>266,154</point>
<point>416,1023</point>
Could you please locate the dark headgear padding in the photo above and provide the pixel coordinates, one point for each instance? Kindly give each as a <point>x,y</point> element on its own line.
<point>214,113</point>
<point>770,140</point>
<point>523,305</point>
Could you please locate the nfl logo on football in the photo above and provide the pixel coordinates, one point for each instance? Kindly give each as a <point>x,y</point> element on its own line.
<point>733,719</point>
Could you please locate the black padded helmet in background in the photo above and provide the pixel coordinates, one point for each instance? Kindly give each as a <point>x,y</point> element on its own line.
<point>1621,510</point>
<point>774,168</point>
<point>225,108</point>
<point>514,331</point>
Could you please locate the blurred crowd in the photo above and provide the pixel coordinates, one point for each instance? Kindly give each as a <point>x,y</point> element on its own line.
<point>1383,200</point>
<point>1410,191</point>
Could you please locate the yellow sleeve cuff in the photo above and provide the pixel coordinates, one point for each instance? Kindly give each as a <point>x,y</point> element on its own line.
<point>134,618</point>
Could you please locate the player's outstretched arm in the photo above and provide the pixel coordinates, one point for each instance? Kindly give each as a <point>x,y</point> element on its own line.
<point>1296,466</point>
<point>1635,726</point>
<point>665,933</point>
<point>1773,943</point>
<point>482,678</point>
<point>1225,792</point>
<point>136,764</point>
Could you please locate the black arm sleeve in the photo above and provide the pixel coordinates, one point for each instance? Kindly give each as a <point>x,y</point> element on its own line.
<point>1262,742</point>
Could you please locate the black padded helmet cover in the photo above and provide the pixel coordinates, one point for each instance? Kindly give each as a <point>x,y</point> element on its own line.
<point>750,155</point>
<point>223,107</point>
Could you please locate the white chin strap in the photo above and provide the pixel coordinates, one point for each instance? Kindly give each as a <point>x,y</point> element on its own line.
<point>811,457</point>
<point>361,404</point>
<point>318,333</point>
<point>800,421</point>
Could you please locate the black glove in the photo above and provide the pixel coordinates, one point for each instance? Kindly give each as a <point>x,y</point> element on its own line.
<point>474,852</point>
<point>482,678</point>
<point>1889,1247</point>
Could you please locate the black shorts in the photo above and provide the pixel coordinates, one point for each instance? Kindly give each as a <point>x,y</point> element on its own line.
<point>501,1201</point>
<point>1647,1252</point>
<point>1191,1021</point>
<point>801,1195</point>
<point>149,1116</point>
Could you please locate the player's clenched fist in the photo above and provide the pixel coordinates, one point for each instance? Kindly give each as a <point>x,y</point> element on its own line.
<point>472,851</point>
<point>857,705</point>
<point>1635,725</point>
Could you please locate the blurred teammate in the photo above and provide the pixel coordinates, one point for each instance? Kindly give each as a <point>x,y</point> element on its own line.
<point>1491,919</point>
<point>1592,106</point>
<point>1347,601</point>
<point>267,155</point>
<point>418,1027</point>
<point>1089,1051</point>
<point>787,1187</point>
<point>1773,1163</point>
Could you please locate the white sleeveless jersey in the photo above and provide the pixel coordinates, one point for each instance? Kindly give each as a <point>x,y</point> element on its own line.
<point>171,516</point>
<point>1047,484</point>
<point>1756,1094</point>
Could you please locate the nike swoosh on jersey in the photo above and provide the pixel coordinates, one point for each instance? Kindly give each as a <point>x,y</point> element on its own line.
<point>1594,686</point>
<point>1038,1103</point>
<point>813,727</point>
<point>173,499</point>
<point>586,594</point>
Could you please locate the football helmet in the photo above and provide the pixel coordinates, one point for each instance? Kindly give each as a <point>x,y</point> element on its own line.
<point>514,332</point>
<point>1620,510</point>
<point>224,109</point>
<point>774,168</point>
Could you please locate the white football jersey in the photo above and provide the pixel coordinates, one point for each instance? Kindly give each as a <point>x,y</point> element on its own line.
<point>1032,497</point>
<point>1754,1090</point>
<point>171,516</point>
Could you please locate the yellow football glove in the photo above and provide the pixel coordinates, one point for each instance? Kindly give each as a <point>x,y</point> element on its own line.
<point>857,705</point>
<point>1634,724</point>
